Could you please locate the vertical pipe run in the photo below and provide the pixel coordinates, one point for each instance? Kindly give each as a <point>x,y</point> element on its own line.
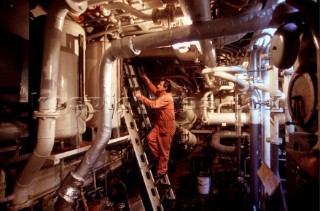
<point>47,113</point>
<point>199,11</point>
<point>270,79</point>
<point>254,153</point>
<point>274,163</point>
<point>273,155</point>
<point>238,132</point>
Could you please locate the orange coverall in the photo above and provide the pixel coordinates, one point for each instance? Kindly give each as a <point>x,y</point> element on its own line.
<point>160,137</point>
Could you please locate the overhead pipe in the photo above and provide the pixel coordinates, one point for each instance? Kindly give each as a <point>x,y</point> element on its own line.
<point>208,29</point>
<point>200,11</point>
<point>47,113</point>
<point>128,47</point>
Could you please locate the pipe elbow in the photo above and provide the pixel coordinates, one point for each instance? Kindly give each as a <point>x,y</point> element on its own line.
<point>216,142</point>
<point>123,48</point>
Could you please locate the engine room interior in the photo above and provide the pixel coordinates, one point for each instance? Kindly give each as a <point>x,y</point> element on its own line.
<point>244,81</point>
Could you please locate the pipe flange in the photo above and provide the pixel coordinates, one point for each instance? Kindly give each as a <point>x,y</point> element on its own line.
<point>76,7</point>
<point>90,111</point>
<point>44,115</point>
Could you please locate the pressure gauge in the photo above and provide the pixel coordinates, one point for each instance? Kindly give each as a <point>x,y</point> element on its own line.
<point>302,96</point>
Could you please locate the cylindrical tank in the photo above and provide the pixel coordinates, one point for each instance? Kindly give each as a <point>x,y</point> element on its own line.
<point>70,104</point>
<point>94,52</point>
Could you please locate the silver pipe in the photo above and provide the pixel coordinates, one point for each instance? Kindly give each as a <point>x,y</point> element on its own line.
<point>47,113</point>
<point>209,29</point>
<point>199,11</point>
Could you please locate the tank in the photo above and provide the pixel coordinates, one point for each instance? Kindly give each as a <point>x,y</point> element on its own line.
<point>93,54</point>
<point>70,104</point>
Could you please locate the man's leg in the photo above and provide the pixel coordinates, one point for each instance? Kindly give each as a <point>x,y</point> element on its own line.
<point>152,139</point>
<point>164,152</point>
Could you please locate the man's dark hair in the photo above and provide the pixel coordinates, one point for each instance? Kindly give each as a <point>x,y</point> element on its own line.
<point>167,85</point>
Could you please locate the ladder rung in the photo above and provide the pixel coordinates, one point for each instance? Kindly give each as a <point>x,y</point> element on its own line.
<point>163,190</point>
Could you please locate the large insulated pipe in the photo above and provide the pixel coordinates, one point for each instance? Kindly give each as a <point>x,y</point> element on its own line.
<point>208,29</point>
<point>199,11</point>
<point>47,113</point>
<point>254,152</point>
<point>128,47</point>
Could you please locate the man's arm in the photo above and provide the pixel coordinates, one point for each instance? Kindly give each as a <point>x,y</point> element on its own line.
<point>161,102</point>
<point>151,86</point>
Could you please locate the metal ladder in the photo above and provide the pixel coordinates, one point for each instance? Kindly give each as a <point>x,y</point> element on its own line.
<point>159,190</point>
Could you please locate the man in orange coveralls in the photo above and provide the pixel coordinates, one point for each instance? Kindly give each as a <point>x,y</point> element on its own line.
<point>160,137</point>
